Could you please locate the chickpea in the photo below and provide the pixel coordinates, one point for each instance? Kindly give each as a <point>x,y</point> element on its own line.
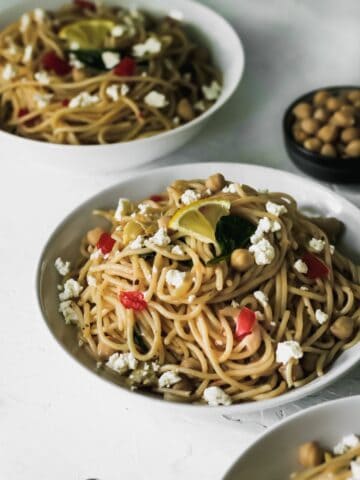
<point>93,236</point>
<point>349,134</point>
<point>310,454</point>
<point>310,125</point>
<point>353,95</point>
<point>328,150</point>
<point>328,133</point>
<point>334,103</point>
<point>342,119</point>
<point>185,110</point>
<point>313,144</point>
<point>309,362</point>
<point>215,182</point>
<point>353,148</point>
<point>302,110</point>
<point>348,109</point>
<point>299,135</point>
<point>191,363</point>
<point>321,114</point>
<point>164,221</point>
<point>342,328</point>
<point>321,97</point>
<point>241,260</point>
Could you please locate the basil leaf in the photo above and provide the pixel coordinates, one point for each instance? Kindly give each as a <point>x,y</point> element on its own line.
<point>231,232</point>
<point>91,58</point>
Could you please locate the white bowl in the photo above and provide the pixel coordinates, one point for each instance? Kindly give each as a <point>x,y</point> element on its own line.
<point>273,455</point>
<point>209,27</point>
<point>66,239</point>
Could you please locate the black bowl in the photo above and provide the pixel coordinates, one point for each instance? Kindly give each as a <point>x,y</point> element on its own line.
<point>338,170</point>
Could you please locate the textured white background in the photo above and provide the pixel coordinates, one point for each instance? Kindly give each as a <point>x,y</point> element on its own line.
<point>55,421</point>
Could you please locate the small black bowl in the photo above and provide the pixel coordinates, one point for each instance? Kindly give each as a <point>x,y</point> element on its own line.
<point>338,170</point>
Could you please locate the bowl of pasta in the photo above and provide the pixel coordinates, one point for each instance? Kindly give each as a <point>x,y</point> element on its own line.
<point>100,86</point>
<point>208,290</point>
<point>319,443</point>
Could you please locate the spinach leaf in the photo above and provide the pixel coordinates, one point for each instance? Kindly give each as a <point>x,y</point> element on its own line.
<point>231,232</point>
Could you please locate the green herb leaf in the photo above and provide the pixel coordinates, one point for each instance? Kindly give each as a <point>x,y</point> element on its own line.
<point>231,232</point>
<point>138,339</point>
<point>91,58</point>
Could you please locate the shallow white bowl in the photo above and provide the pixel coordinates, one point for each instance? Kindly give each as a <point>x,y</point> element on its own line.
<point>66,239</point>
<point>209,27</point>
<point>273,455</point>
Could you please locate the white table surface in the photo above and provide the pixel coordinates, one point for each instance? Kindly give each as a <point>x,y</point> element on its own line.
<point>56,421</point>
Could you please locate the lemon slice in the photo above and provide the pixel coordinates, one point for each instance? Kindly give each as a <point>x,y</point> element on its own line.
<point>199,219</point>
<point>87,34</point>
<point>131,231</point>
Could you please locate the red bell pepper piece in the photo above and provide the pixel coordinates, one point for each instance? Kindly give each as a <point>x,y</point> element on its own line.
<point>245,323</point>
<point>105,243</point>
<point>133,300</point>
<point>316,268</point>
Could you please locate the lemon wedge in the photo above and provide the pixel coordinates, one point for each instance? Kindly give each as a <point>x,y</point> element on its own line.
<point>87,34</point>
<point>199,219</point>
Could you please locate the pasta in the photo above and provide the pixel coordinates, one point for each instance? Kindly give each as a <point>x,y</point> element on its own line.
<point>88,74</point>
<point>213,291</point>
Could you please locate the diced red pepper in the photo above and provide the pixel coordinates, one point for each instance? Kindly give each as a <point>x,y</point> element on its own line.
<point>126,68</point>
<point>156,198</point>
<point>105,243</point>
<point>133,300</point>
<point>65,102</point>
<point>85,4</point>
<point>28,123</point>
<point>51,61</point>
<point>245,323</point>
<point>316,268</point>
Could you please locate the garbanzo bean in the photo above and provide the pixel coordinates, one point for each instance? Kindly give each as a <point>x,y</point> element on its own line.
<point>334,103</point>
<point>353,148</point>
<point>328,133</point>
<point>310,454</point>
<point>342,119</point>
<point>328,150</point>
<point>342,328</point>
<point>349,109</point>
<point>353,95</point>
<point>215,182</point>
<point>321,97</point>
<point>185,110</point>
<point>321,114</point>
<point>349,134</point>
<point>313,144</point>
<point>302,110</point>
<point>299,135</point>
<point>310,125</point>
<point>241,259</point>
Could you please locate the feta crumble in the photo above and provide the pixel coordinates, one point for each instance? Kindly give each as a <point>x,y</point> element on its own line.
<point>261,297</point>
<point>285,351</point>
<point>123,208</point>
<point>175,278</point>
<point>84,99</point>
<point>355,469</point>
<point>42,77</point>
<point>267,225</point>
<point>39,15</point>
<point>316,245</point>
<point>275,208</point>
<point>263,251</point>
<point>124,89</point>
<point>42,100</point>
<point>24,22</point>
<point>72,289</point>
<point>176,15</point>
<point>189,196</point>
<point>74,45</point>
<point>346,443</point>
<point>152,45</point>
<point>118,31</point>
<point>62,267</point>
<point>68,312</point>
<point>75,62</point>
<point>191,298</point>
<point>321,317</point>
<point>9,72</point>
<point>91,280</point>
<point>332,249</point>
<point>110,59</point>
<point>27,54</point>
<point>143,208</point>
<point>231,188</point>
<point>177,250</point>
<point>234,304</point>
<point>122,362</point>
<point>199,106</point>
<point>304,288</point>
<point>176,121</point>
<point>155,99</point>
<point>137,243</point>
<point>301,266</point>
<point>215,396</point>
<point>168,379</point>
<point>161,238</point>
<point>212,91</point>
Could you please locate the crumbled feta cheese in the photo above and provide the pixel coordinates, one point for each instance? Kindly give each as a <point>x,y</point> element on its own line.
<point>231,188</point>
<point>74,45</point>
<point>39,15</point>
<point>123,209</point>
<point>42,77</point>
<point>91,280</point>
<point>177,250</point>
<point>155,99</point>
<point>96,254</point>
<point>285,351</point>
<point>191,298</point>
<point>122,362</point>
<point>84,99</point>
<point>212,91</point>
<point>175,278</point>
<point>62,267</point>
<point>112,91</point>
<point>27,54</point>
<point>110,59</point>
<point>304,288</point>
<point>68,312</point>
<point>355,469</point>
<point>42,100</point>
<point>151,45</point>
<point>72,289</point>
<point>75,62</point>
<point>189,196</point>
<point>316,245</point>
<point>332,249</point>
<point>275,208</point>
<point>168,379</point>
<point>321,317</point>
<point>199,106</point>
<point>261,297</point>
<point>143,208</point>
<point>263,251</point>
<point>235,304</point>
<point>9,72</point>
<point>24,22</point>
<point>155,366</point>
<point>176,15</point>
<point>176,121</point>
<point>124,89</point>
<point>267,225</point>
<point>300,266</point>
<point>137,243</point>
<point>144,74</point>
<point>161,238</point>
<point>118,31</point>
<point>346,443</point>
<point>215,396</point>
